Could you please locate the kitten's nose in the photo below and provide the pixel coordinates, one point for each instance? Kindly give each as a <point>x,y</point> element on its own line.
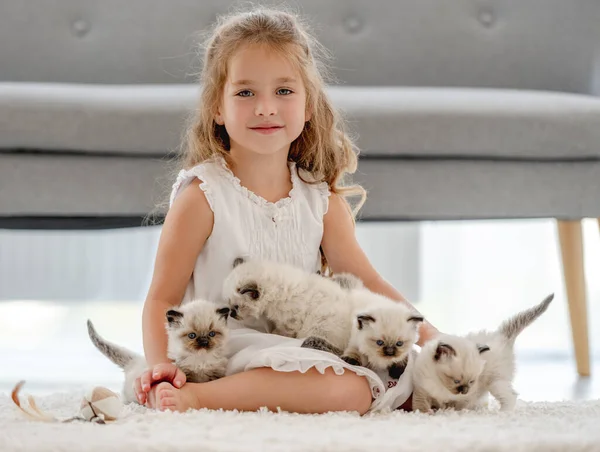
<point>389,351</point>
<point>202,342</point>
<point>463,389</point>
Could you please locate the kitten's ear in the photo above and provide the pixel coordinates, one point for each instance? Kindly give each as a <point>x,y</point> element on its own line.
<point>363,320</point>
<point>416,319</point>
<point>223,313</point>
<point>444,350</point>
<point>251,289</point>
<point>238,261</point>
<point>483,348</point>
<point>174,317</point>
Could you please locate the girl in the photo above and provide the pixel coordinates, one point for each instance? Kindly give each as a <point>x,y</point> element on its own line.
<point>263,164</point>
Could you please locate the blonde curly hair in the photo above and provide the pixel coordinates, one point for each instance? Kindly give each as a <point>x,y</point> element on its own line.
<point>324,148</point>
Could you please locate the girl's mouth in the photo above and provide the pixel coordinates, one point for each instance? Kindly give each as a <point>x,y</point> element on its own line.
<point>267,130</point>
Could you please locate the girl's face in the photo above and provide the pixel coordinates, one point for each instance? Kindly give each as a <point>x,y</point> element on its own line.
<point>264,102</point>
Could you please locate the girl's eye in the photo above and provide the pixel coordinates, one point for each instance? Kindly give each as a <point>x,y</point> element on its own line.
<point>380,342</point>
<point>284,91</point>
<point>192,335</point>
<point>399,344</point>
<point>245,93</point>
<point>212,334</point>
<point>457,381</point>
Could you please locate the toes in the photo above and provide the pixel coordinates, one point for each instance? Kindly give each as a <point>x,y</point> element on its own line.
<point>168,403</point>
<point>165,394</point>
<point>163,389</point>
<point>157,393</point>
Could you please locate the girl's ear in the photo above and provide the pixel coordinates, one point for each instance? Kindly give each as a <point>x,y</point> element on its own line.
<point>219,119</point>
<point>218,116</point>
<point>307,115</point>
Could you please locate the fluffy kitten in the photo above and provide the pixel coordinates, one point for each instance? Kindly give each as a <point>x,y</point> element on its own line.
<point>197,334</point>
<point>445,371</point>
<point>499,372</point>
<point>382,337</point>
<point>457,372</point>
<point>296,303</point>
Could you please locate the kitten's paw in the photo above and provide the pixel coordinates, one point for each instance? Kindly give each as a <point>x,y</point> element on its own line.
<point>508,405</point>
<point>317,343</point>
<point>350,360</point>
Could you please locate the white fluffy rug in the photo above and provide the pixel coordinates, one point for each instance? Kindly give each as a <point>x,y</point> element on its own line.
<point>566,426</point>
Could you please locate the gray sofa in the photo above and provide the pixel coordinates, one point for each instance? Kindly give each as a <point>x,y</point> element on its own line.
<point>465,109</point>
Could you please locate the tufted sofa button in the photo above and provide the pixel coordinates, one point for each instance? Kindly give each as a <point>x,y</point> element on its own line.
<point>352,24</point>
<point>486,18</point>
<point>80,28</point>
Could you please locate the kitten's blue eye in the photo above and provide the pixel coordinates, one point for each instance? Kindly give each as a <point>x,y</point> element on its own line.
<point>457,381</point>
<point>287,91</point>
<point>380,342</point>
<point>212,334</point>
<point>192,335</point>
<point>399,344</point>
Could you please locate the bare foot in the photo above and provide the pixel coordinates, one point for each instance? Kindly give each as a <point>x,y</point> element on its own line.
<point>164,397</point>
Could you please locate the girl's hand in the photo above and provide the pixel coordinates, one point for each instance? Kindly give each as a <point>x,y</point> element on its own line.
<point>168,372</point>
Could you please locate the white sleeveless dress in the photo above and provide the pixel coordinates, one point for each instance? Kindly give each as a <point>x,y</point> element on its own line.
<point>289,231</point>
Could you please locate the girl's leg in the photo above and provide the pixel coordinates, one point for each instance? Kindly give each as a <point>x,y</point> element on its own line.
<point>309,392</point>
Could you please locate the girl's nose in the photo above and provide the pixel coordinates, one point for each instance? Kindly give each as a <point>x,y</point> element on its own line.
<point>265,107</point>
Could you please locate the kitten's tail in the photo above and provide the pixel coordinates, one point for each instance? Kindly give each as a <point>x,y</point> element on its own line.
<point>512,327</point>
<point>117,354</point>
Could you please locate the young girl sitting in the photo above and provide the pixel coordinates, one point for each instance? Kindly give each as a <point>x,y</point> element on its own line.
<point>262,169</point>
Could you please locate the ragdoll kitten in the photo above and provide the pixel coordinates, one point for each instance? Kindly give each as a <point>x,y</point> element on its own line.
<point>295,303</point>
<point>444,372</point>
<point>459,372</point>
<point>382,338</point>
<point>197,334</point>
<point>320,309</point>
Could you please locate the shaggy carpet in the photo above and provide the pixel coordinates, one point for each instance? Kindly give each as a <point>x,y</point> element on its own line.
<point>565,426</point>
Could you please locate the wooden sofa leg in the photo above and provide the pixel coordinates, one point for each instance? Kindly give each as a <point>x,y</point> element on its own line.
<point>571,244</point>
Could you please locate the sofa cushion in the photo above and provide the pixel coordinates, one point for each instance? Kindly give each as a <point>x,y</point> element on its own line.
<point>534,44</point>
<point>393,121</point>
<point>487,123</point>
<point>123,190</point>
<point>124,119</point>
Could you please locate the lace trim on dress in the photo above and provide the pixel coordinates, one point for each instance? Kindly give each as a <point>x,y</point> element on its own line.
<point>283,202</point>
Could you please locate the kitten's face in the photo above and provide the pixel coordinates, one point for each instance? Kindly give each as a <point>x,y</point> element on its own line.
<point>458,364</point>
<point>386,335</point>
<point>243,293</point>
<point>198,327</point>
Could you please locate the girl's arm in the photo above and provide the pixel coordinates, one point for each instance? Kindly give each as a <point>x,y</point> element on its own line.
<point>187,226</point>
<point>344,254</point>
